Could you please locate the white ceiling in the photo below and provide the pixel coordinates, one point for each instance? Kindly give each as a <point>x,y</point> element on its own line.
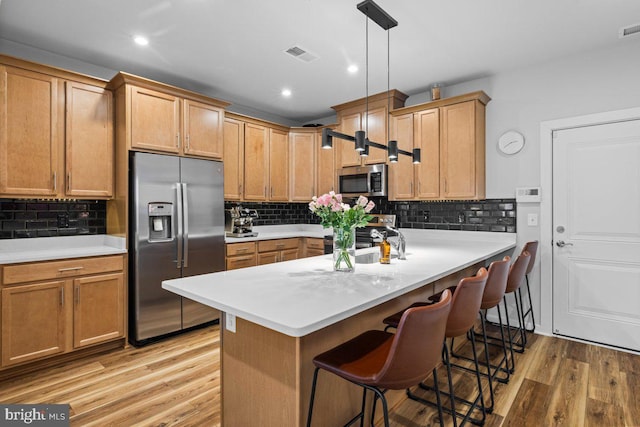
<point>234,49</point>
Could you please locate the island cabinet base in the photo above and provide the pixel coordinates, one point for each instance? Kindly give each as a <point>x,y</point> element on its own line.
<point>267,375</point>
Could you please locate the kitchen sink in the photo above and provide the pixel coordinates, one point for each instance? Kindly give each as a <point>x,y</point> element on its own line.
<point>370,257</point>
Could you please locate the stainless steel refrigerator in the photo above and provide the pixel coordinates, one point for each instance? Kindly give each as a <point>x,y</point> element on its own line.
<point>176,230</point>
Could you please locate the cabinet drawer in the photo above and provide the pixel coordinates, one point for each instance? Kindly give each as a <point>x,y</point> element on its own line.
<point>22,273</point>
<point>315,243</point>
<point>278,244</point>
<point>244,248</point>
<point>236,262</point>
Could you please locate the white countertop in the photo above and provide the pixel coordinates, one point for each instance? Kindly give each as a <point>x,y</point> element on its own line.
<point>50,248</point>
<point>299,297</point>
<point>269,232</point>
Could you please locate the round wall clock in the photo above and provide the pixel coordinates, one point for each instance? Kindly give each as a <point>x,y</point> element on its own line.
<point>510,142</point>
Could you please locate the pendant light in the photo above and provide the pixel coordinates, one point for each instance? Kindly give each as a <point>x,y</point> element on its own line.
<point>360,138</point>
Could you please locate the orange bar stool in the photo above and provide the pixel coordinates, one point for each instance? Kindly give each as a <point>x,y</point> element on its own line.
<point>379,360</point>
<point>532,248</point>
<point>465,305</point>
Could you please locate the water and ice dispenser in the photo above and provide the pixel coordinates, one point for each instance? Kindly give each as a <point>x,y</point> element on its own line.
<point>160,221</point>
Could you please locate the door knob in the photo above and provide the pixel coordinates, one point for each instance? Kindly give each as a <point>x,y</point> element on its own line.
<point>562,244</point>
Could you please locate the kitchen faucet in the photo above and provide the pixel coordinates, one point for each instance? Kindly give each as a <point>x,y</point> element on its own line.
<point>399,246</point>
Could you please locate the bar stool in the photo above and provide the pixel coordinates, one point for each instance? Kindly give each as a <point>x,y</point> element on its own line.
<point>532,248</point>
<point>493,293</point>
<point>378,360</point>
<point>465,305</point>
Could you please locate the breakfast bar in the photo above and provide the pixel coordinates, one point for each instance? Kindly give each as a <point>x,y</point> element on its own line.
<point>277,317</point>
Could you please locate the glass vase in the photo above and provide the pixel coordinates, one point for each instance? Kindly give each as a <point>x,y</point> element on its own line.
<point>344,249</point>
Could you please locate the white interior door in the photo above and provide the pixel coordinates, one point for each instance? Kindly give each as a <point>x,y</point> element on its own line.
<point>596,233</point>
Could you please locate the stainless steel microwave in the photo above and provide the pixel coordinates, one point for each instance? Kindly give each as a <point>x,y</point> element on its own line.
<point>370,180</point>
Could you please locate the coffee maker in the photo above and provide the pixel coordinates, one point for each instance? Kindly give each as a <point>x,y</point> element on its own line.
<point>238,222</point>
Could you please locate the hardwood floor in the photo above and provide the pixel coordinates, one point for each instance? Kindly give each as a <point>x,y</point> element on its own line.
<point>176,383</point>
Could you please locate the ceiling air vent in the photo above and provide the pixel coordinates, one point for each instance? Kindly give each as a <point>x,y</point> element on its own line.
<point>301,54</point>
<point>630,30</point>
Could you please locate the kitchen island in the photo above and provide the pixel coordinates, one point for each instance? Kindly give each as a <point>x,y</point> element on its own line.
<point>277,317</point>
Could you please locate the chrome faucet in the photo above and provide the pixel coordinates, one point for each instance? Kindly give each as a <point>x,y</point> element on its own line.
<point>399,246</point>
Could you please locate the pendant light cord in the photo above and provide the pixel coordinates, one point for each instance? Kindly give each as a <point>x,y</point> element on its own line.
<point>366,123</point>
<point>388,85</point>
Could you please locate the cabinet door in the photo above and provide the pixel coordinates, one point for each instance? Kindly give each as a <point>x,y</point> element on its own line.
<point>235,262</point>
<point>155,120</point>
<point>31,127</point>
<point>33,321</point>
<point>268,257</point>
<point>348,156</point>
<point>288,254</point>
<point>89,141</point>
<point>256,162</point>
<point>427,138</point>
<point>302,149</point>
<point>458,151</point>
<point>377,132</point>
<point>98,309</point>
<point>401,186</point>
<point>325,168</point>
<point>203,129</point>
<point>278,165</point>
<point>233,159</point>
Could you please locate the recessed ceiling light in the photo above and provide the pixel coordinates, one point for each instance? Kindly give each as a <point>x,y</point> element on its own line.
<point>286,92</point>
<point>141,40</point>
<point>352,69</point>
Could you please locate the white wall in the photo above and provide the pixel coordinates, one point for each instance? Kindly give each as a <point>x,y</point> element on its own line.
<point>594,82</point>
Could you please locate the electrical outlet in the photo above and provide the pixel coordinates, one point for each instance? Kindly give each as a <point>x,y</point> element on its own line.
<point>532,220</point>
<point>230,322</point>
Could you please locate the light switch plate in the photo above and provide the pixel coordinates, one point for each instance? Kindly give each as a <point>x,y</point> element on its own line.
<point>230,322</point>
<point>532,220</point>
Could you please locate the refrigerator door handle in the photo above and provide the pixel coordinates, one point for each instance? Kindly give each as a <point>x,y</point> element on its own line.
<point>185,207</point>
<point>179,234</point>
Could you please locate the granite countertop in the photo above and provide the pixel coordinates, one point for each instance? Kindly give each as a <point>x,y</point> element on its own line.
<point>301,296</point>
<point>51,248</point>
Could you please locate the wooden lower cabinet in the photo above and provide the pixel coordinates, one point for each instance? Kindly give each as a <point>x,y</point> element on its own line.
<point>278,250</point>
<point>313,247</point>
<point>240,255</point>
<point>51,308</point>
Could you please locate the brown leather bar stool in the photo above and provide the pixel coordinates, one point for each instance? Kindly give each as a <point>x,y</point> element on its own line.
<point>378,360</point>
<point>532,248</point>
<point>498,274</point>
<point>465,305</point>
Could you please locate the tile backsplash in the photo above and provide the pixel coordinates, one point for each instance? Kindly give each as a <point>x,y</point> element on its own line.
<point>45,218</point>
<point>497,215</point>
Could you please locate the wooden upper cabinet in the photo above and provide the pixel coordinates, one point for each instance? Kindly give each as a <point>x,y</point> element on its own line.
<point>203,128</point>
<point>401,173</point>
<point>427,138</point>
<point>256,162</point>
<point>371,115</point>
<point>302,154</point>
<point>348,156</point>
<point>89,141</point>
<point>377,132</point>
<point>31,126</point>
<point>451,136</point>
<point>233,159</point>
<point>45,152</point>
<point>325,168</point>
<point>278,165</point>
<point>462,152</point>
<point>157,117</point>
<point>155,120</point>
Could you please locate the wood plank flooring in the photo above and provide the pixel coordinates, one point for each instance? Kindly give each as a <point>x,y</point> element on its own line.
<point>177,383</point>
